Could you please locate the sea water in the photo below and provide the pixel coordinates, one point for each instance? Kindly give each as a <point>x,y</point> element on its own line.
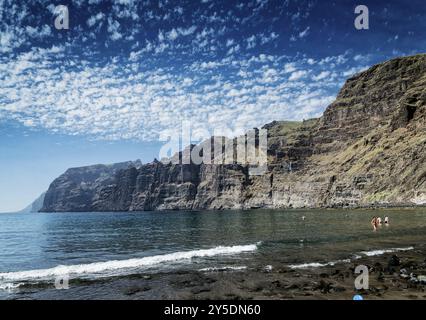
<point>39,247</point>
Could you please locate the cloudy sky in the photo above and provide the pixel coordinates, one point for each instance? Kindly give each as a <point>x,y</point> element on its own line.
<point>126,70</point>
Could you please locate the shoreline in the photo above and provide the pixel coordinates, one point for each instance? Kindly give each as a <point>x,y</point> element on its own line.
<point>391,276</point>
<point>284,283</point>
<point>390,207</point>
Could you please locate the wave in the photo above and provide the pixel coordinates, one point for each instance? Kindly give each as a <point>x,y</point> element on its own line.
<point>111,268</point>
<point>10,286</point>
<point>355,257</point>
<point>318,264</point>
<point>381,252</point>
<point>223,269</point>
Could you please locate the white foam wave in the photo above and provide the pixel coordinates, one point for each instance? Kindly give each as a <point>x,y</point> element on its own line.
<point>355,257</point>
<point>381,252</point>
<point>10,286</point>
<point>109,267</point>
<point>318,264</point>
<point>223,269</point>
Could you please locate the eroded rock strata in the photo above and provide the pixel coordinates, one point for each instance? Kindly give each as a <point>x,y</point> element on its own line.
<point>369,148</point>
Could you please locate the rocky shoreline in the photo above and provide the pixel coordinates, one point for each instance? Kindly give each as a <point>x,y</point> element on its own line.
<point>389,279</point>
<point>393,276</point>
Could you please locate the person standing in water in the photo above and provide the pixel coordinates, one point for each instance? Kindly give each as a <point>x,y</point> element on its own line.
<point>386,221</point>
<point>374,223</point>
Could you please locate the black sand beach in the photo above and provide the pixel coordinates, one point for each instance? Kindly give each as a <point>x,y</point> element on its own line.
<point>392,276</point>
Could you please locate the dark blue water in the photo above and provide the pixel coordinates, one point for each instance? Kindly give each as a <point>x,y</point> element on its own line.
<point>31,242</point>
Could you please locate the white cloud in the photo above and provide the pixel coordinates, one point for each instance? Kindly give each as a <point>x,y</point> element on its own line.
<point>251,42</point>
<point>268,38</point>
<point>94,19</point>
<point>116,101</point>
<point>304,33</point>
<point>323,75</point>
<point>10,39</point>
<point>36,32</point>
<point>187,31</point>
<point>172,35</point>
<point>234,49</point>
<point>297,75</point>
<point>113,29</point>
<point>289,67</point>
<point>181,66</point>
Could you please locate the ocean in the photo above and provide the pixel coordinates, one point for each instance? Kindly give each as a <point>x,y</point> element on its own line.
<point>38,249</point>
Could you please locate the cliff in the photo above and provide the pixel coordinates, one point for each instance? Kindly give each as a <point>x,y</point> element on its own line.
<point>36,206</point>
<point>369,148</point>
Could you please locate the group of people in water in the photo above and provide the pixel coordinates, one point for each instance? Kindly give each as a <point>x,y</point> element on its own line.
<point>378,222</point>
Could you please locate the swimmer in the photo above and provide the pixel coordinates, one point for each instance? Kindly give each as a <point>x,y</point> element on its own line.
<point>374,223</point>
<point>379,221</point>
<point>387,221</point>
<point>303,218</point>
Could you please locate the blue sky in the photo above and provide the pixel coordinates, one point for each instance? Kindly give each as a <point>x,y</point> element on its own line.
<point>125,71</point>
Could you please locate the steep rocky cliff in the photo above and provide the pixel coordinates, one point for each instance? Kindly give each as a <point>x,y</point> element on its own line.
<point>77,188</point>
<point>369,148</point>
<point>35,206</point>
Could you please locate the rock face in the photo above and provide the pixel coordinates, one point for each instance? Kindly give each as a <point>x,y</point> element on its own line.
<point>369,148</point>
<point>78,188</point>
<point>36,206</point>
